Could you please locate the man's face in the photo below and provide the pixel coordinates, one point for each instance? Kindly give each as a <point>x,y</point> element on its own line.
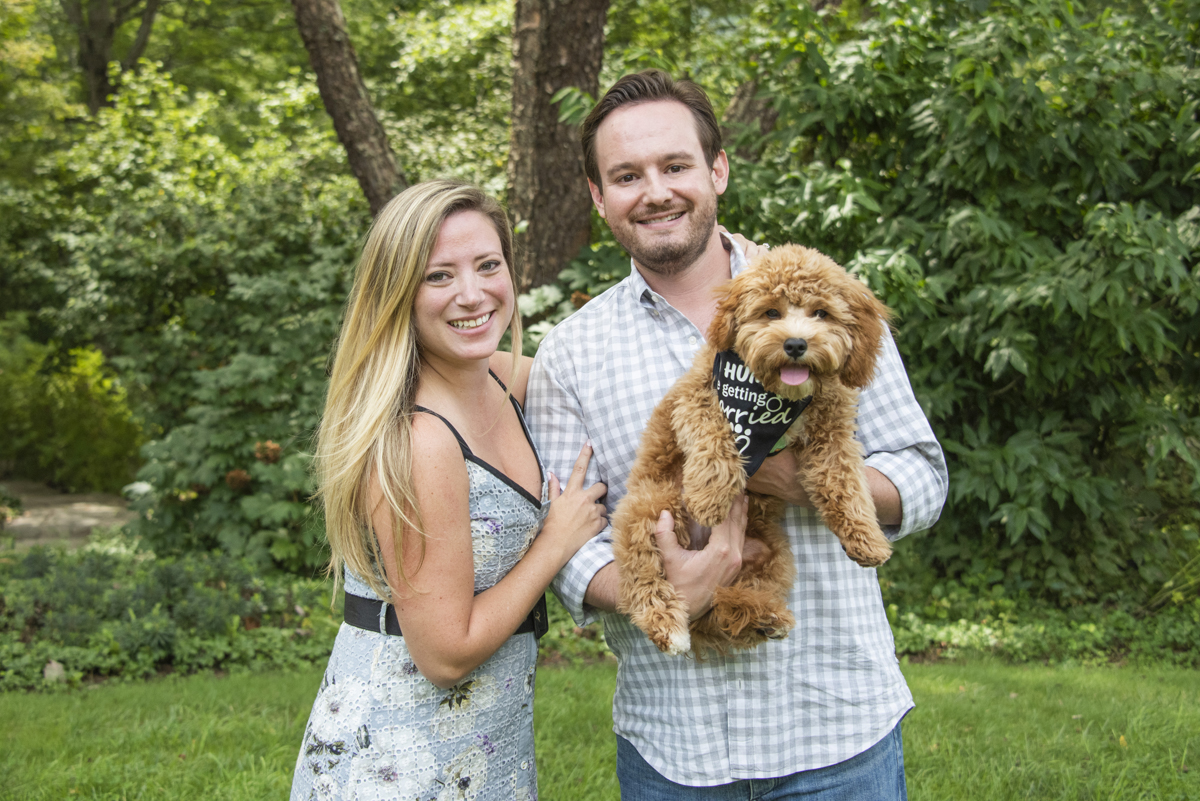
<point>656,191</point>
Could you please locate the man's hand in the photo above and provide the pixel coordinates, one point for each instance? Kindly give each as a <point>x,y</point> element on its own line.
<point>777,476</point>
<point>697,574</point>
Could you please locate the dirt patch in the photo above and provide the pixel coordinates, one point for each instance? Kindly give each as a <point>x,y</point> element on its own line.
<point>58,518</point>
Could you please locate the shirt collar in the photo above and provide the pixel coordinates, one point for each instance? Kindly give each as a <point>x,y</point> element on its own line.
<point>648,297</point>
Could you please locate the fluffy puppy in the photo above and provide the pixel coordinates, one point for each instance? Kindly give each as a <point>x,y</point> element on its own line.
<point>810,334</point>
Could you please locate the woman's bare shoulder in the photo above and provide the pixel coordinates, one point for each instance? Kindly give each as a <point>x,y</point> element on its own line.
<point>501,363</point>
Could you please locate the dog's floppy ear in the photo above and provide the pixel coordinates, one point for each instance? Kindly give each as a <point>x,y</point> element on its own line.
<point>870,317</point>
<point>722,332</point>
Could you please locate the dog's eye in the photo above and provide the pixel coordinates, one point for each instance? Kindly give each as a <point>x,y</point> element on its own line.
<point>820,314</point>
<point>773,314</point>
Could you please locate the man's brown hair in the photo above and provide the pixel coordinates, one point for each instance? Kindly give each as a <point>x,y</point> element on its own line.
<point>644,87</point>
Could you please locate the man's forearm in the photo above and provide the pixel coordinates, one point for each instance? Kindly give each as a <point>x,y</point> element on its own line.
<point>602,590</point>
<point>778,476</point>
<point>888,506</point>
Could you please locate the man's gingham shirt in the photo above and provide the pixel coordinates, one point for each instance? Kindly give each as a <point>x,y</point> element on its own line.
<point>833,687</point>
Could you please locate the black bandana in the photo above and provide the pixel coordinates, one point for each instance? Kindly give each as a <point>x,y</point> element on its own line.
<point>759,418</point>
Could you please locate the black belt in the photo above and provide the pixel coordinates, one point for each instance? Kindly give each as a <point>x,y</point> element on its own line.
<point>365,613</point>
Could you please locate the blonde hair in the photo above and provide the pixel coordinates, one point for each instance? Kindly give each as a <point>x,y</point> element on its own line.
<point>366,430</point>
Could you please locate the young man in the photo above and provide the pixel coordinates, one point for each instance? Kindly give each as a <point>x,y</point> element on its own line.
<point>816,714</point>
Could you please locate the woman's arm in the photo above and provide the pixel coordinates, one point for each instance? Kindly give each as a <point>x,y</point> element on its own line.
<point>448,629</point>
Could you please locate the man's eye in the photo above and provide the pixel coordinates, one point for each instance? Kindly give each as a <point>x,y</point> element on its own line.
<point>820,314</point>
<point>624,179</point>
<point>675,168</point>
<point>773,314</point>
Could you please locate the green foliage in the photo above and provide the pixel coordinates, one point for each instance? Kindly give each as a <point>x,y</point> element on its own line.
<point>1020,186</point>
<point>108,611</point>
<point>68,424</point>
<point>216,280</point>
<point>937,618</point>
<point>446,102</point>
<point>566,643</point>
<point>111,610</point>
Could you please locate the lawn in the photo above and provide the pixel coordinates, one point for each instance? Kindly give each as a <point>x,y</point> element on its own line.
<point>980,731</point>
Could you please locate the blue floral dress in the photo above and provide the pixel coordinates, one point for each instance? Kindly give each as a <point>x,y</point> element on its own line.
<point>380,731</point>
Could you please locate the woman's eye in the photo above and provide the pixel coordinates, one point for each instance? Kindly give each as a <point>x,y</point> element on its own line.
<point>490,265</point>
<point>437,277</point>
<point>773,314</point>
<point>820,314</point>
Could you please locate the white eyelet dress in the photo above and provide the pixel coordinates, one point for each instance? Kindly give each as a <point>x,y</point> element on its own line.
<point>379,730</point>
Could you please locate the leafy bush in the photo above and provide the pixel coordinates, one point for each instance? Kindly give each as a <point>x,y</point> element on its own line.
<point>216,279</point>
<point>937,618</point>
<point>109,611</point>
<point>68,424</point>
<point>1020,184</point>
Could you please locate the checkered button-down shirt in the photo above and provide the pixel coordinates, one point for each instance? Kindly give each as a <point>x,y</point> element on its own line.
<point>833,687</point>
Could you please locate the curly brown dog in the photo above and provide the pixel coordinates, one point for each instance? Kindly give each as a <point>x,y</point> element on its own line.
<point>805,329</point>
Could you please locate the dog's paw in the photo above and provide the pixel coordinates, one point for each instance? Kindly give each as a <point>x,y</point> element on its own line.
<point>775,626</point>
<point>671,642</point>
<point>868,553</point>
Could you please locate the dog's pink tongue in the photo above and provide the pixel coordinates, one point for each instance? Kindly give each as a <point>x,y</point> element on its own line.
<point>793,375</point>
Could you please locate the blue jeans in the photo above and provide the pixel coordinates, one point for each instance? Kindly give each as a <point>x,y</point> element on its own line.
<point>876,774</point>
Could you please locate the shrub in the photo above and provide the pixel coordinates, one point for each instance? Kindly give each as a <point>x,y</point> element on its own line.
<point>68,424</point>
<point>111,611</point>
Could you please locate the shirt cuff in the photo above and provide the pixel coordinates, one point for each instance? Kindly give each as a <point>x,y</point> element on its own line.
<point>915,506</point>
<point>571,583</point>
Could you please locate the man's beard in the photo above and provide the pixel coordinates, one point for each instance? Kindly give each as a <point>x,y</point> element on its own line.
<point>669,258</point>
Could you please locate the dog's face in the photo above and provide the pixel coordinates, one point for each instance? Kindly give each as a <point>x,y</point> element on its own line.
<point>794,316</point>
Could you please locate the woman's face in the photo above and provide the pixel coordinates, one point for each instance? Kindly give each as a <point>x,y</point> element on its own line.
<point>466,298</point>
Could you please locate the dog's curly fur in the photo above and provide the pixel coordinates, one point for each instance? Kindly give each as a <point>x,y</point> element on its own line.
<point>687,462</point>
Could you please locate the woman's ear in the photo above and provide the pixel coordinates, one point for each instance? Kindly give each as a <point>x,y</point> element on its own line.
<point>870,317</point>
<point>722,332</point>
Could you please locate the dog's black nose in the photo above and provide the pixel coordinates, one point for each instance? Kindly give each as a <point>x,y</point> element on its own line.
<point>794,347</point>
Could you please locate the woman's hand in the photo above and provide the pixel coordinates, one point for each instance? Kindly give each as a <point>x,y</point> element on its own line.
<point>576,514</point>
<point>752,250</point>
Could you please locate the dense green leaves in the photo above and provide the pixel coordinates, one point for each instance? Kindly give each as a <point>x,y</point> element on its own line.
<point>1021,187</point>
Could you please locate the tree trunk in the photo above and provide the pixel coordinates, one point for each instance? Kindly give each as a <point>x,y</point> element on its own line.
<point>96,23</point>
<point>747,111</point>
<point>556,44</point>
<point>323,29</point>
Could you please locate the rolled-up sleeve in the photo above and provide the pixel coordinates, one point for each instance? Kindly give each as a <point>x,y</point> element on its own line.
<point>900,443</point>
<point>556,422</point>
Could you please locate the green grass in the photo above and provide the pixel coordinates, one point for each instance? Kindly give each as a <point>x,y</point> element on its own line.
<point>235,738</point>
<point>993,731</point>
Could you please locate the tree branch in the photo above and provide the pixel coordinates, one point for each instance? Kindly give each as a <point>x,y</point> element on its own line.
<point>143,35</point>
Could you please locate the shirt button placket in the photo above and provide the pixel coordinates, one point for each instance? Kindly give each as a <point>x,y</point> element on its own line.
<point>742,727</point>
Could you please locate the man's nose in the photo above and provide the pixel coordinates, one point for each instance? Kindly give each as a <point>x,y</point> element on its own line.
<point>657,192</point>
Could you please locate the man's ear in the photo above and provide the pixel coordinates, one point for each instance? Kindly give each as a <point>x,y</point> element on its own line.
<point>597,198</point>
<point>720,172</point>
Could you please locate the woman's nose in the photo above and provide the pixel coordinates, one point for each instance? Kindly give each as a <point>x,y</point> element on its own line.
<point>470,293</point>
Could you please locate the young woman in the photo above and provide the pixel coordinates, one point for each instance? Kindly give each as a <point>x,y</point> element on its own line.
<point>433,495</point>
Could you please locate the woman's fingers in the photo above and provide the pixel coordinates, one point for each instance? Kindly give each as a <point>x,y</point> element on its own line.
<point>579,471</point>
<point>552,483</point>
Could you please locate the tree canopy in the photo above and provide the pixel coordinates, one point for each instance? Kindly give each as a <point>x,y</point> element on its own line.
<point>1017,179</point>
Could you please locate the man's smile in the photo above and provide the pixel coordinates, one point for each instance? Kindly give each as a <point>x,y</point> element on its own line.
<point>661,219</point>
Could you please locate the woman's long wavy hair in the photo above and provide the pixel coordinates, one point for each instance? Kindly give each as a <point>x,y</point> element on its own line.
<point>366,430</point>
